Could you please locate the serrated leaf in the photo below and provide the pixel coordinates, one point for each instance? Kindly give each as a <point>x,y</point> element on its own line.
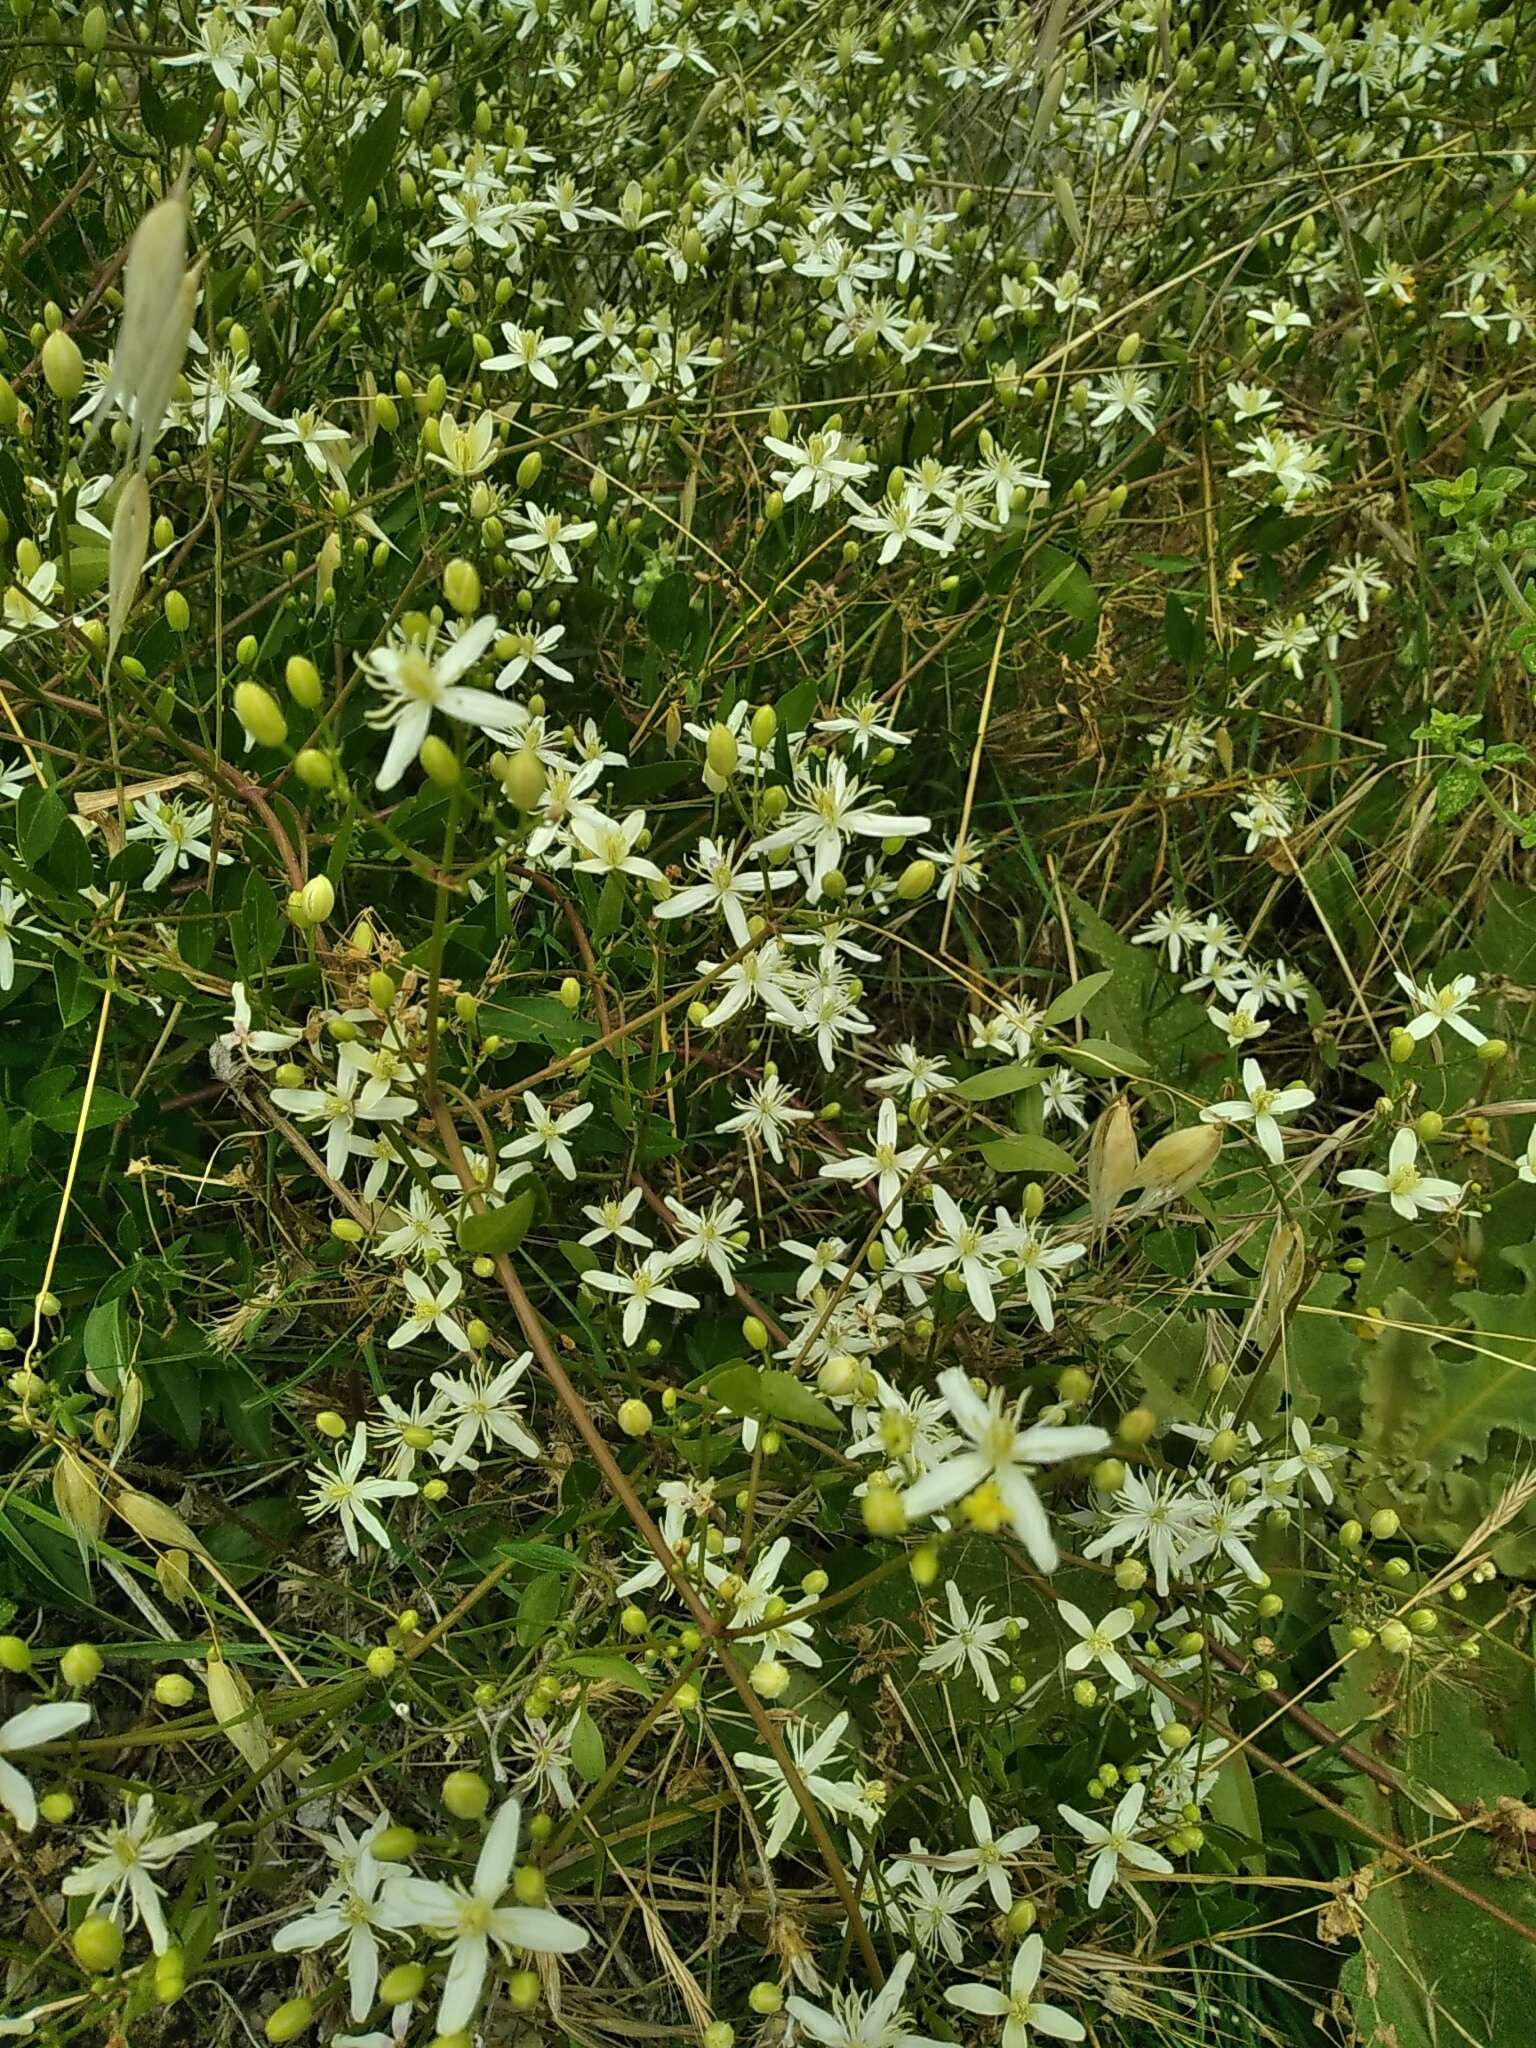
<point>487,1233</point>
<point>992,1082</point>
<point>771,1395</point>
<point>1074,1000</point>
<point>1026,1154</point>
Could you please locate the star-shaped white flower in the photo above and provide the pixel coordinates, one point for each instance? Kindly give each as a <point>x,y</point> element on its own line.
<point>49,1721</point>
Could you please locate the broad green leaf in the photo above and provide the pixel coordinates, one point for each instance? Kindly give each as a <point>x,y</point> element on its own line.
<point>369,157</point>
<point>1102,1056</point>
<point>539,1608</point>
<point>106,1107</point>
<point>668,617</point>
<point>609,1665</point>
<point>1074,1000</point>
<point>535,1020</point>
<point>1025,1154</point>
<point>589,1758</point>
<point>106,1338</point>
<point>40,815</point>
<point>993,1082</point>
<point>488,1233</point>
<point>770,1394</point>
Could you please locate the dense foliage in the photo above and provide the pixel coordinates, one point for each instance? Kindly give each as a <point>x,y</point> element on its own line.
<point>767,941</point>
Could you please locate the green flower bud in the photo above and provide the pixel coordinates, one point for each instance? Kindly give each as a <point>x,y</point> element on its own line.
<point>528,470</point>
<point>721,752</point>
<point>314,768</point>
<point>317,899</point>
<point>63,366</point>
<point>80,1666</point>
<point>461,586</point>
<point>290,2020</point>
<point>1401,1047</point>
<point>466,1794</point>
<point>302,681</point>
<point>178,613</point>
<point>916,879</point>
<point>173,1690</point>
<point>98,1944</point>
<point>260,714</point>
<point>634,1418</point>
<point>15,1655</point>
<point>439,763</point>
<point>524,779</point>
<point>403,1984</point>
<point>1385,1524</point>
<point>754,1333</point>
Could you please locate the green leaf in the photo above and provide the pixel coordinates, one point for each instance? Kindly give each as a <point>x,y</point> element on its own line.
<point>75,994</point>
<point>539,1608</point>
<point>369,157</point>
<point>176,122</point>
<point>1183,632</point>
<point>589,1759</point>
<point>1457,787</point>
<point>1062,584</point>
<point>490,1232</point>
<point>771,1395</point>
<point>536,1020</point>
<point>106,1338</point>
<point>1025,1154</point>
<point>992,1082</point>
<point>40,815</point>
<point>1102,1056</point>
<point>548,1557</point>
<point>258,927</point>
<point>1074,1000</point>
<point>106,1107</point>
<point>617,1670</point>
<point>668,617</point>
<point>580,1257</point>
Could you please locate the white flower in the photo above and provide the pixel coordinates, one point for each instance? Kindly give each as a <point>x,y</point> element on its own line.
<point>1038,1261</point>
<point>549,1134</point>
<point>429,1309</point>
<point>342,1491</point>
<point>1098,1640</point>
<point>970,1640</point>
<point>992,1852</point>
<point>1175,928</point>
<point>1261,1106</point>
<point>614,1217</point>
<point>483,1408</point>
<point>705,1237</point>
<point>1527,1166</point>
<point>608,845</point>
<point>347,1915</point>
<point>1240,1024</point>
<point>337,1107</point>
<point>727,885</point>
<point>1310,1461</point>
<point>813,1756</point>
<point>647,1287</point>
<point>1000,1451</point>
<point>821,465</point>
<point>1443,1004</point>
<point>249,1044</point>
<point>531,351</point>
<point>473,1918</point>
<point>965,1247</point>
<point>1116,1844</point>
<point>1269,814</point>
<point>122,1859</point>
<point>1403,1184</point>
<point>855,2019</point>
<point>414,681</point>
<point>46,1722</point>
<point>1150,1516</point>
<point>915,1074</point>
<point>826,810</point>
<point>1018,2008</point>
<point>765,1115</point>
<point>889,1165</point>
<point>181,832</point>
<point>12,920</point>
